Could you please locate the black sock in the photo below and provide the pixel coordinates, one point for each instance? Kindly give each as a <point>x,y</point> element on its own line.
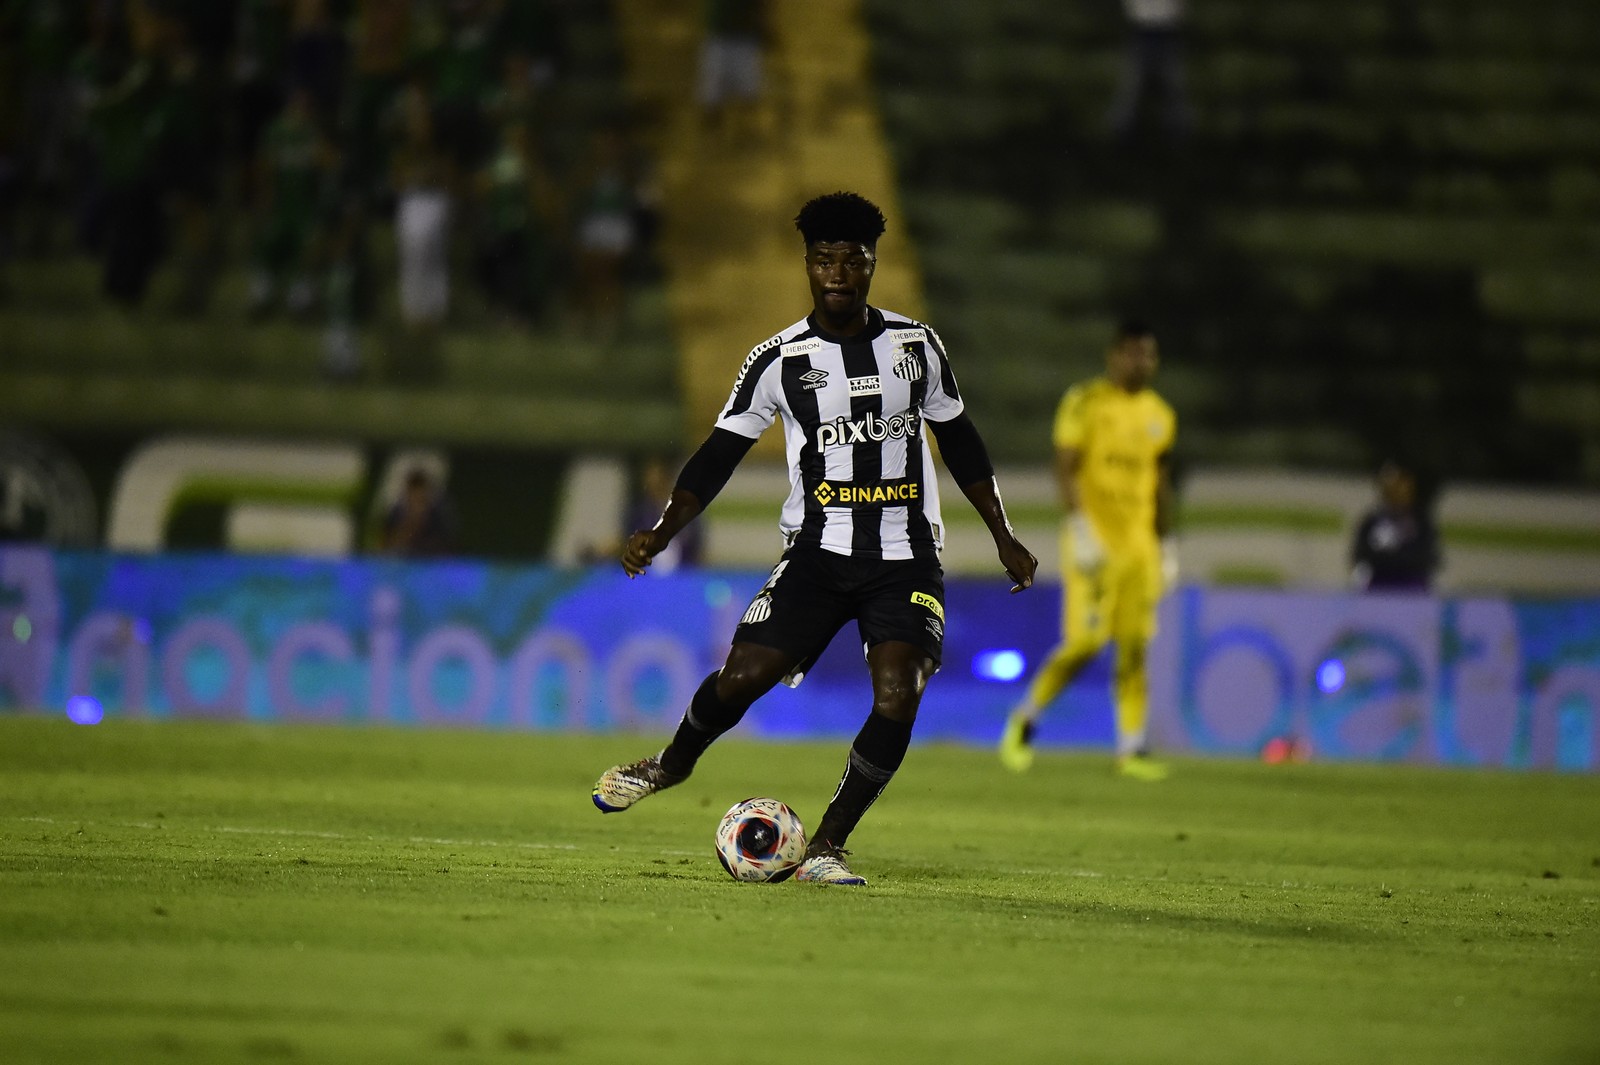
<point>707,718</point>
<point>877,752</point>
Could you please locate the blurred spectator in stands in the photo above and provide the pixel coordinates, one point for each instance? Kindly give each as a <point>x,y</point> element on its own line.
<point>607,205</point>
<point>422,522</point>
<point>132,122</point>
<point>423,209</point>
<point>318,52</point>
<point>382,40</point>
<point>347,289</point>
<point>98,63</point>
<point>463,66</point>
<point>1396,546</point>
<point>732,59</point>
<point>519,97</point>
<point>517,216</point>
<point>295,168</point>
<point>201,32</point>
<point>1153,63</point>
<point>37,40</point>
<point>533,28</point>
<point>260,57</point>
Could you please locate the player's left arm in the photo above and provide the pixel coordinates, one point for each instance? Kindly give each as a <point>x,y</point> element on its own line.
<point>967,459</point>
<point>1164,508</point>
<point>1164,495</point>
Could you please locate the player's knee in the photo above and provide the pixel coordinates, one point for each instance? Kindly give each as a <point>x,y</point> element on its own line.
<point>744,678</point>
<point>897,698</point>
<point>739,687</point>
<point>1130,661</point>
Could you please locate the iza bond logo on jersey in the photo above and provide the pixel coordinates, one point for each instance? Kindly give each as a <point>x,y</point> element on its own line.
<point>866,386</point>
<point>759,610</point>
<point>814,379</point>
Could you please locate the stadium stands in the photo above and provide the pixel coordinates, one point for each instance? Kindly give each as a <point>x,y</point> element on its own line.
<point>202,346</point>
<point>1382,233</point>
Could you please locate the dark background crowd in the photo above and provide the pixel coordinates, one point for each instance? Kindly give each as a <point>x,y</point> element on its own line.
<point>475,139</point>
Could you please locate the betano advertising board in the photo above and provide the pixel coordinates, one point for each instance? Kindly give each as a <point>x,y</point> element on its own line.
<point>93,635</point>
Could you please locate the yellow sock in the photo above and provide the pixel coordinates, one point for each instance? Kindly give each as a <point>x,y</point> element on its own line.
<point>1133,702</point>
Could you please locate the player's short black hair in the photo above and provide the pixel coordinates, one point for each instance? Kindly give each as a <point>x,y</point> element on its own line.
<point>846,217</point>
<point>1131,328</point>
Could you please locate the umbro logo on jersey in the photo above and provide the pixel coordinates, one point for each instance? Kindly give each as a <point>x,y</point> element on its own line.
<point>882,494</point>
<point>869,429</point>
<point>909,368</point>
<point>814,379</point>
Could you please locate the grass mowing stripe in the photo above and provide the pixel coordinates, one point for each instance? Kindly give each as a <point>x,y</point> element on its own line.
<point>1237,912</point>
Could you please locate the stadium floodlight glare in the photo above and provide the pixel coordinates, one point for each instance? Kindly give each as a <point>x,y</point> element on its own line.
<point>1002,664</point>
<point>85,710</point>
<point>1330,676</point>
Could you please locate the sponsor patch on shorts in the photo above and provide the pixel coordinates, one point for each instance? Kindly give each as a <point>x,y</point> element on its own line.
<point>923,599</point>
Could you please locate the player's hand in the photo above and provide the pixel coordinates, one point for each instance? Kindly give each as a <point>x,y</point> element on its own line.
<point>1169,563</point>
<point>1019,563</point>
<point>640,550</point>
<point>1088,553</point>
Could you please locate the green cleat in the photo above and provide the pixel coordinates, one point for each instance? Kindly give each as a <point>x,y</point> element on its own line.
<point>1140,766</point>
<point>1016,743</point>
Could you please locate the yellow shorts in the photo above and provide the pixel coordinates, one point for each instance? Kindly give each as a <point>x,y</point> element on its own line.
<point>1116,604</point>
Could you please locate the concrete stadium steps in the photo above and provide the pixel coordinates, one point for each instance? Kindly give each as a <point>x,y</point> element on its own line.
<point>106,402</point>
<point>728,246</point>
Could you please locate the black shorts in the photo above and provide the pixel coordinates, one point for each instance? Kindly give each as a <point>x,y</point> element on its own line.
<point>812,593</point>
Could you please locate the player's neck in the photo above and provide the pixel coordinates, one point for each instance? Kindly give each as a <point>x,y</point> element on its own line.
<point>853,324</point>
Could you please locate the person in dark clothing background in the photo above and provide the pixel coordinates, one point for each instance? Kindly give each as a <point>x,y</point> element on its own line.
<point>1396,545</point>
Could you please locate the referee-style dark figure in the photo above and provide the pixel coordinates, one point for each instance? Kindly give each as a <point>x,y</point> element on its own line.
<point>855,386</point>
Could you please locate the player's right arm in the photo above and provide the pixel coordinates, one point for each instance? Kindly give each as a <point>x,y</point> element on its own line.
<point>702,477</point>
<point>751,408</point>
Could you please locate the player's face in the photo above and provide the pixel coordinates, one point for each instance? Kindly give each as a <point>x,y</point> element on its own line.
<point>1133,362</point>
<point>841,275</point>
<point>1397,487</point>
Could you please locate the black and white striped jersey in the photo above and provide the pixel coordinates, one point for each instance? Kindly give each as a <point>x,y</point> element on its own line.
<point>861,476</point>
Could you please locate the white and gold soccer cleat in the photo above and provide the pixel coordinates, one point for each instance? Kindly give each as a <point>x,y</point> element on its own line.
<point>825,865</point>
<point>623,785</point>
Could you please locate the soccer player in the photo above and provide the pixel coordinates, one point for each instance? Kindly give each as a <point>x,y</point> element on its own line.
<point>1113,436</point>
<point>855,386</point>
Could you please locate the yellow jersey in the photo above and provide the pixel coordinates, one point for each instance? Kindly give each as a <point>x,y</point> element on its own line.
<point>1121,437</point>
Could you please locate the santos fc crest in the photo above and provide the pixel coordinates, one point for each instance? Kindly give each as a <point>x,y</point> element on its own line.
<point>909,368</point>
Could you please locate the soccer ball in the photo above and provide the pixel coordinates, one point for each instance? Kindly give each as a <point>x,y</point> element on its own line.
<point>760,840</point>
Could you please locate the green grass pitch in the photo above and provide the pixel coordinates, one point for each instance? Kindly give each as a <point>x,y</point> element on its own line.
<point>193,892</point>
